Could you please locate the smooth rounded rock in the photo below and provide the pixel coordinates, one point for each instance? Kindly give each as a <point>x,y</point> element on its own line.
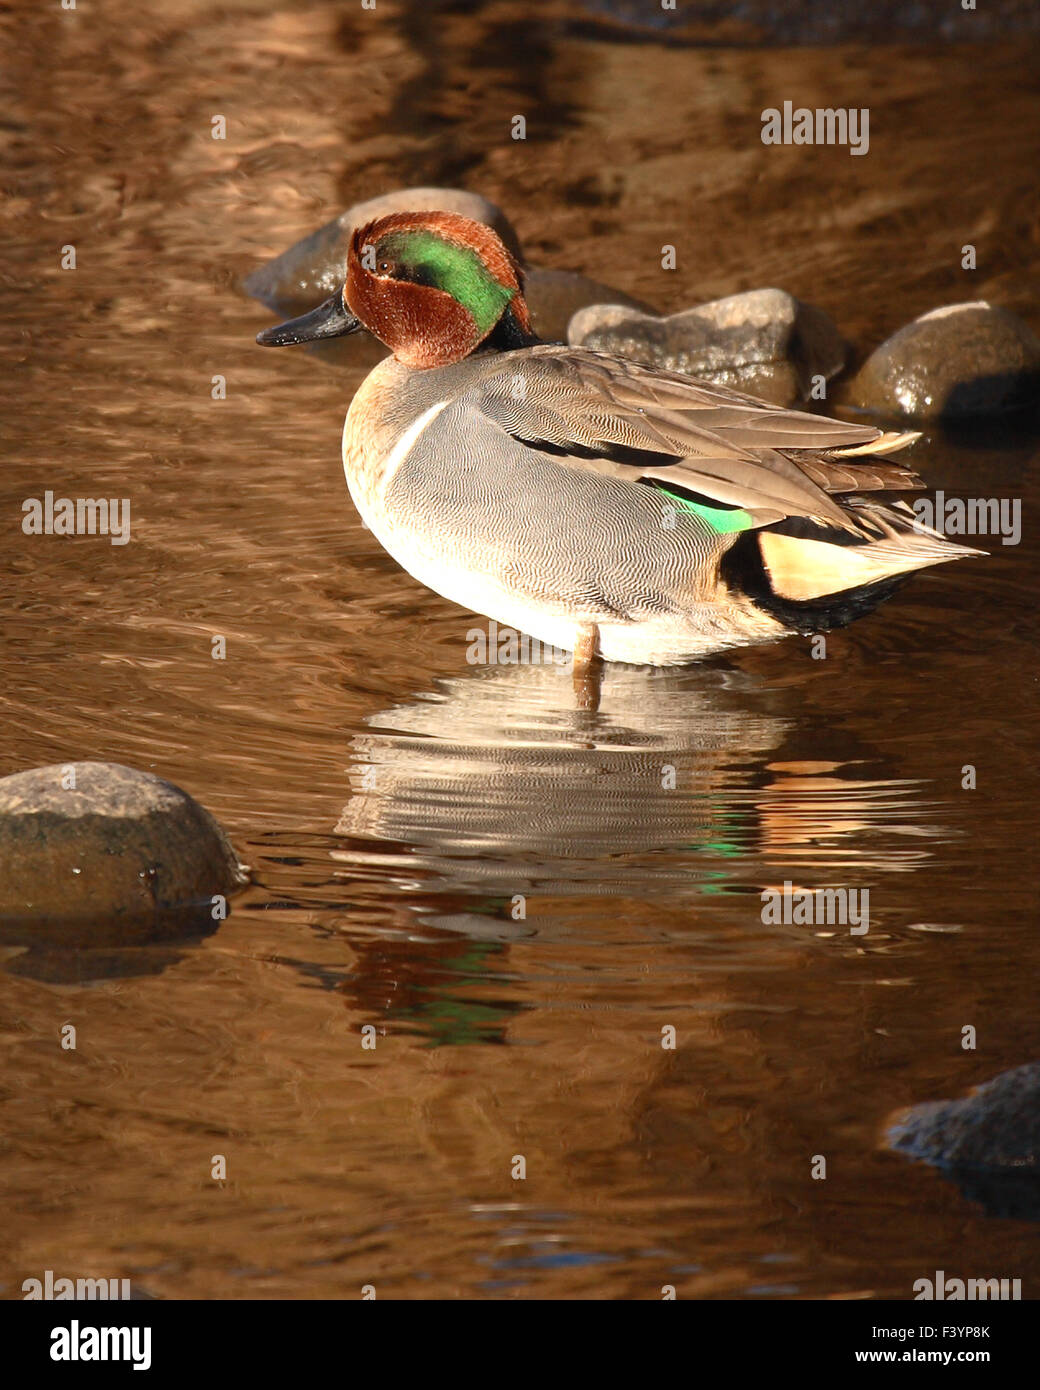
<point>97,854</point>
<point>764,342</point>
<point>960,361</point>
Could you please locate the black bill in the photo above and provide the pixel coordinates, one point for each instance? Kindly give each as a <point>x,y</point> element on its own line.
<point>328,320</point>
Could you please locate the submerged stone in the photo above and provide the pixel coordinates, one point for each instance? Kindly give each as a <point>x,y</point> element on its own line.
<point>988,1142</point>
<point>764,342</point>
<point>959,361</point>
<point>97,855</point>
<point>997,1126</point>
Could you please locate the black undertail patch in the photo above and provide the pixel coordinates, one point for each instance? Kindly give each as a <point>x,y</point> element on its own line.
<point>743,568</point>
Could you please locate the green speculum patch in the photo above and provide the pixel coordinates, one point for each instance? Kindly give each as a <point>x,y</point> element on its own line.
<point>429,259</point>
<point>722,520</point>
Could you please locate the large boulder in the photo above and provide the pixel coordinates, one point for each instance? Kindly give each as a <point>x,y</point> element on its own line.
<point>962,360</point>
<point>764,342</point>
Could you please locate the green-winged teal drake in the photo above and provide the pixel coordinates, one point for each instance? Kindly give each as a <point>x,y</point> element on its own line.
<point>600,506</point>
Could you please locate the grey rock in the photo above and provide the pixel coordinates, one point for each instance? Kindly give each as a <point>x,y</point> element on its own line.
<point>987,1142</point>
<point>555,296</point>
<point>124,858</point>
<point>959,361</point>
<point>997,1126</point>
<point>764,342</point>
<point>312,269</point>
<point>767,21</point>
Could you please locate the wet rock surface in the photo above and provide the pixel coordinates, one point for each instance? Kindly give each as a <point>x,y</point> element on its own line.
<point>952,363</point>
<point>757,21</point>
<point>997,1126</point>
<point>102,856</point>
<point>554,297</point>
<point>764,342</point>
<point>988,1142</point>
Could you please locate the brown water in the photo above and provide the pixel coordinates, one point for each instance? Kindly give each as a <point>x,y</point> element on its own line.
<point>393,799</point>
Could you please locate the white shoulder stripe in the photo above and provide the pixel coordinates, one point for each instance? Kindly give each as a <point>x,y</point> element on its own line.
<point>407,441</point>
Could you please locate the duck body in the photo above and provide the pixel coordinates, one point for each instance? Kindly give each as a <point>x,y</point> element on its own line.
<point>586,500</point>
<point>502,528</point>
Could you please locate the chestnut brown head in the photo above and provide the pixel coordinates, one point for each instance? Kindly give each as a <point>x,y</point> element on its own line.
<point>432,286</point>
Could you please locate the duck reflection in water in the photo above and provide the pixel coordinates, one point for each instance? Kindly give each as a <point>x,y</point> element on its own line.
<point>493,808</point>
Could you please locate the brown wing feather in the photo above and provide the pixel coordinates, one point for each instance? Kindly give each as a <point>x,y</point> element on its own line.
<point>613,416</point>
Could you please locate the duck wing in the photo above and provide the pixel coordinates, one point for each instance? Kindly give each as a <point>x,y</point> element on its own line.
<point>593,411</point>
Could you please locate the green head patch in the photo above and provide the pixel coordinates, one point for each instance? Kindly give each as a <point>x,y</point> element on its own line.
<point>425,258</point>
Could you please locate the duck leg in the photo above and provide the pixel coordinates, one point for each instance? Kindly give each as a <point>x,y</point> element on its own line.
<point>587,670</point>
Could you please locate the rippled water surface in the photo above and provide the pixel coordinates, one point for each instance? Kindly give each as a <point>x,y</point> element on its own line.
<point>393,800</point>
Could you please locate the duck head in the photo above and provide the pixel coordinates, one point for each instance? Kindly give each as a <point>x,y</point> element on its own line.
<point>432,286</point>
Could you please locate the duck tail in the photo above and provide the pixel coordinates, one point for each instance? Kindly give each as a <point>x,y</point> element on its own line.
<point>888,442</point>
<point>806,564</point>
